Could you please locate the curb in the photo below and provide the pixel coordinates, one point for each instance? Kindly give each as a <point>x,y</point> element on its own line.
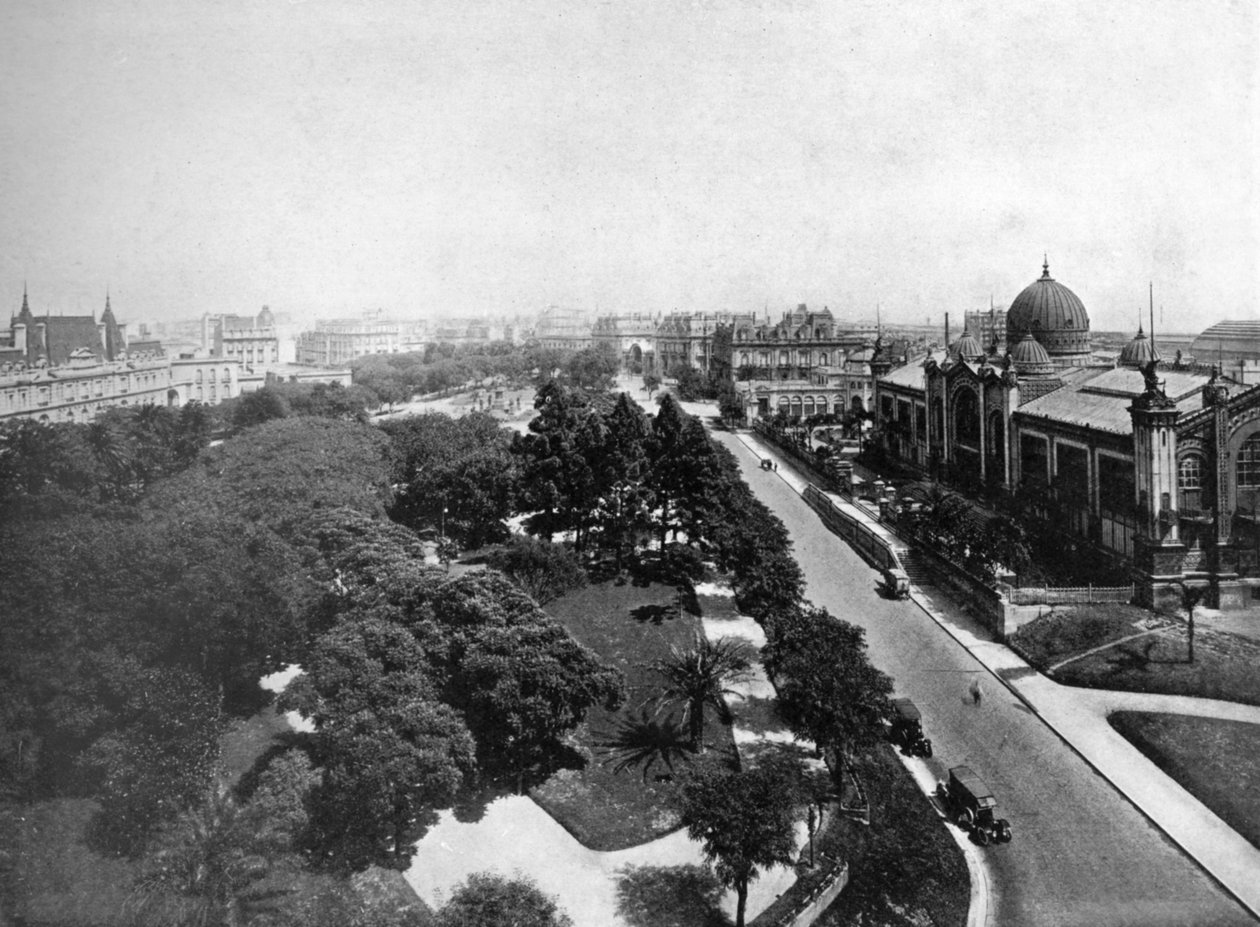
<point>916,597</point>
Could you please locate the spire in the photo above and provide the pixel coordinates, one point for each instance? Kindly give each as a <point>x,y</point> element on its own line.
<point>1154,353</point>
<point>1045,266</point>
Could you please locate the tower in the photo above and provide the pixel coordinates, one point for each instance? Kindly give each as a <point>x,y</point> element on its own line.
<point>1158,551</point>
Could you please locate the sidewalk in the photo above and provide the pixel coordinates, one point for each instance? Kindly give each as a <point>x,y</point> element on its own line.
<point>1079,716</point>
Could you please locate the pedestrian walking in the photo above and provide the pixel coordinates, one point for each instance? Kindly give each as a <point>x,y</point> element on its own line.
<point>976,692</point>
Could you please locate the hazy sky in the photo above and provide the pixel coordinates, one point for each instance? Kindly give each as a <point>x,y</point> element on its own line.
<point>326,157</point>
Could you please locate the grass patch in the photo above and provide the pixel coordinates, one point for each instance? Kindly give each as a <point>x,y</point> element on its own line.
<point>904,868</point>
<point>1068,630</point>
<point>1212,759</point>
<point>1224,666</point>
<point>629,626</point>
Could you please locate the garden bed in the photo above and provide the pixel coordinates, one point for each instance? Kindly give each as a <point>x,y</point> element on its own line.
<point>904,868</point>
<point>1158,662</point>
<point>629,626</point>
<point>1212,759</point>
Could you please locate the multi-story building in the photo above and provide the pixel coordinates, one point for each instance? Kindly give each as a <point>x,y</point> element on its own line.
<point>563,329</point>
<point>686,339</point>
<point>252,340</point>
<point>336,342</point>
<point>632,337</point>
<point>69,368</point>
<point>802,365</point>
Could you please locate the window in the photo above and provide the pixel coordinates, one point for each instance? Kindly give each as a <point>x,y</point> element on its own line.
<point>1249,463</point>
<point>1190,473</point>
<point>967,418</point>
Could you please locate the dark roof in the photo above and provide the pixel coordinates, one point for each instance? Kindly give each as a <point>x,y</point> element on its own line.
<point>64,333</point>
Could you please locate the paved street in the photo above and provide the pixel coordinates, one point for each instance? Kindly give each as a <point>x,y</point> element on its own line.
<point>1082,854</point>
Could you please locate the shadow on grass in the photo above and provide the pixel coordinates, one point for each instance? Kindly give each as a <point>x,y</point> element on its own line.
<point>669,896</point>
<point>654,614</point>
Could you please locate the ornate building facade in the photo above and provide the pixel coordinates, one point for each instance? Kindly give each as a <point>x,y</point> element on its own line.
<point>69,368</point>
<point>802,365</point>
<point>1158,466</point>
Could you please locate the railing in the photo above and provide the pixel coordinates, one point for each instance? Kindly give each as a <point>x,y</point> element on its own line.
<point>1069,595</point>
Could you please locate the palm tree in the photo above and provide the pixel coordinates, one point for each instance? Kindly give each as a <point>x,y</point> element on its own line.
<point>113,452</point>
<point>643,740</point>
<point>208,857</point>
<point>701,675</point>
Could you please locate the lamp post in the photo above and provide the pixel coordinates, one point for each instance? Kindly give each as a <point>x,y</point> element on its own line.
<point>619,490</point>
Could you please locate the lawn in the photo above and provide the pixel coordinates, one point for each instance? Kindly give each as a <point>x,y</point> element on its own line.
<point>1224,666</point>
<point>1211,759</point>
<point>611,804</point>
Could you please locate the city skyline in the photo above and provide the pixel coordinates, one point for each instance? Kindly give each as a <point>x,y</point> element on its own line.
<point>328,158</point>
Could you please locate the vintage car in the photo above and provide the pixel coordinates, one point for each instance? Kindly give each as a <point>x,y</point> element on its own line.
<point>906,729</point>
<point>767,463</point>
<point>969,804</point>
<point>896,583</point>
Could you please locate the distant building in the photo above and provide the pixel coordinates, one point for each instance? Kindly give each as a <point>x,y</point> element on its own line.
<point>563,329</point>
<point>69,368</point>
<point>685,339</point>
<point>803,365</point>
<point>336,342</point>
<point>252,340</point>
<point>632,336</point>
<point>1228,343</point>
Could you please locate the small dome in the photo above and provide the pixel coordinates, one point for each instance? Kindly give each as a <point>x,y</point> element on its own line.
<point>967,348</point>
<point>265,319</point>
<point>1053,314</point>
<point>1030,358</point>
<point>1139,352</point>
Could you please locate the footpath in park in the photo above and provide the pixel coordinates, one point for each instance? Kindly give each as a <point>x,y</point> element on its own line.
<point>1079,717</point>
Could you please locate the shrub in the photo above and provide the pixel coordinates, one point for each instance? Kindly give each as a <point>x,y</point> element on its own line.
<point>543,569</point>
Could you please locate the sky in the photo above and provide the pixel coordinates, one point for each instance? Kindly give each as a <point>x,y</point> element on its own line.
<point>457,157</point>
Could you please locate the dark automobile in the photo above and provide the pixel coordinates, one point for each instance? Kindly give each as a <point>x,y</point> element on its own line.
<point>969,804</point>
<point>906,729</point>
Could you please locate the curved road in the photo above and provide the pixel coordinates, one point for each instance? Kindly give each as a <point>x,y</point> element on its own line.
<point>1081,854</point>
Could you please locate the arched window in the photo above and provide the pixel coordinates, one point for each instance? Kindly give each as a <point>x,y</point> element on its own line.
<point>822,359</point>
<point>743,359</point>
<point>783,358</point>
<point>1249,463</point>
<point>967,418</point>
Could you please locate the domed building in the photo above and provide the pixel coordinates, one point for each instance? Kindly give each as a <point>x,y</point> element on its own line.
<point>1139,352</point>
<point>1055,316</point>
<point>1150,468</point>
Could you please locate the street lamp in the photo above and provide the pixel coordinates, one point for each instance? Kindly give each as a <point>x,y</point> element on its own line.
<point>619,490</point>
<point>442,524</point>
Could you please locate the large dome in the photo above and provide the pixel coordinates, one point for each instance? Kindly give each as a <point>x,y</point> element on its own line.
<point>1052,314</point>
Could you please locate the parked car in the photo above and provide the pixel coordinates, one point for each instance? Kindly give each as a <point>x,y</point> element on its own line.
<point>906,728</point>
<point>896,583</point>
<point>969,804</point>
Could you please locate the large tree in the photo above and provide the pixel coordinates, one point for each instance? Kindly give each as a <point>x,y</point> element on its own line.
<point>455,476</point>
<point>745,820</point>
<point>560,459</point>
<point>486,900</point>
<point>828,690</point>
<point>392,754</point>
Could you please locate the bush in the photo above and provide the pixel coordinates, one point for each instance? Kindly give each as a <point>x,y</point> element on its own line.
<point>543,569</point>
